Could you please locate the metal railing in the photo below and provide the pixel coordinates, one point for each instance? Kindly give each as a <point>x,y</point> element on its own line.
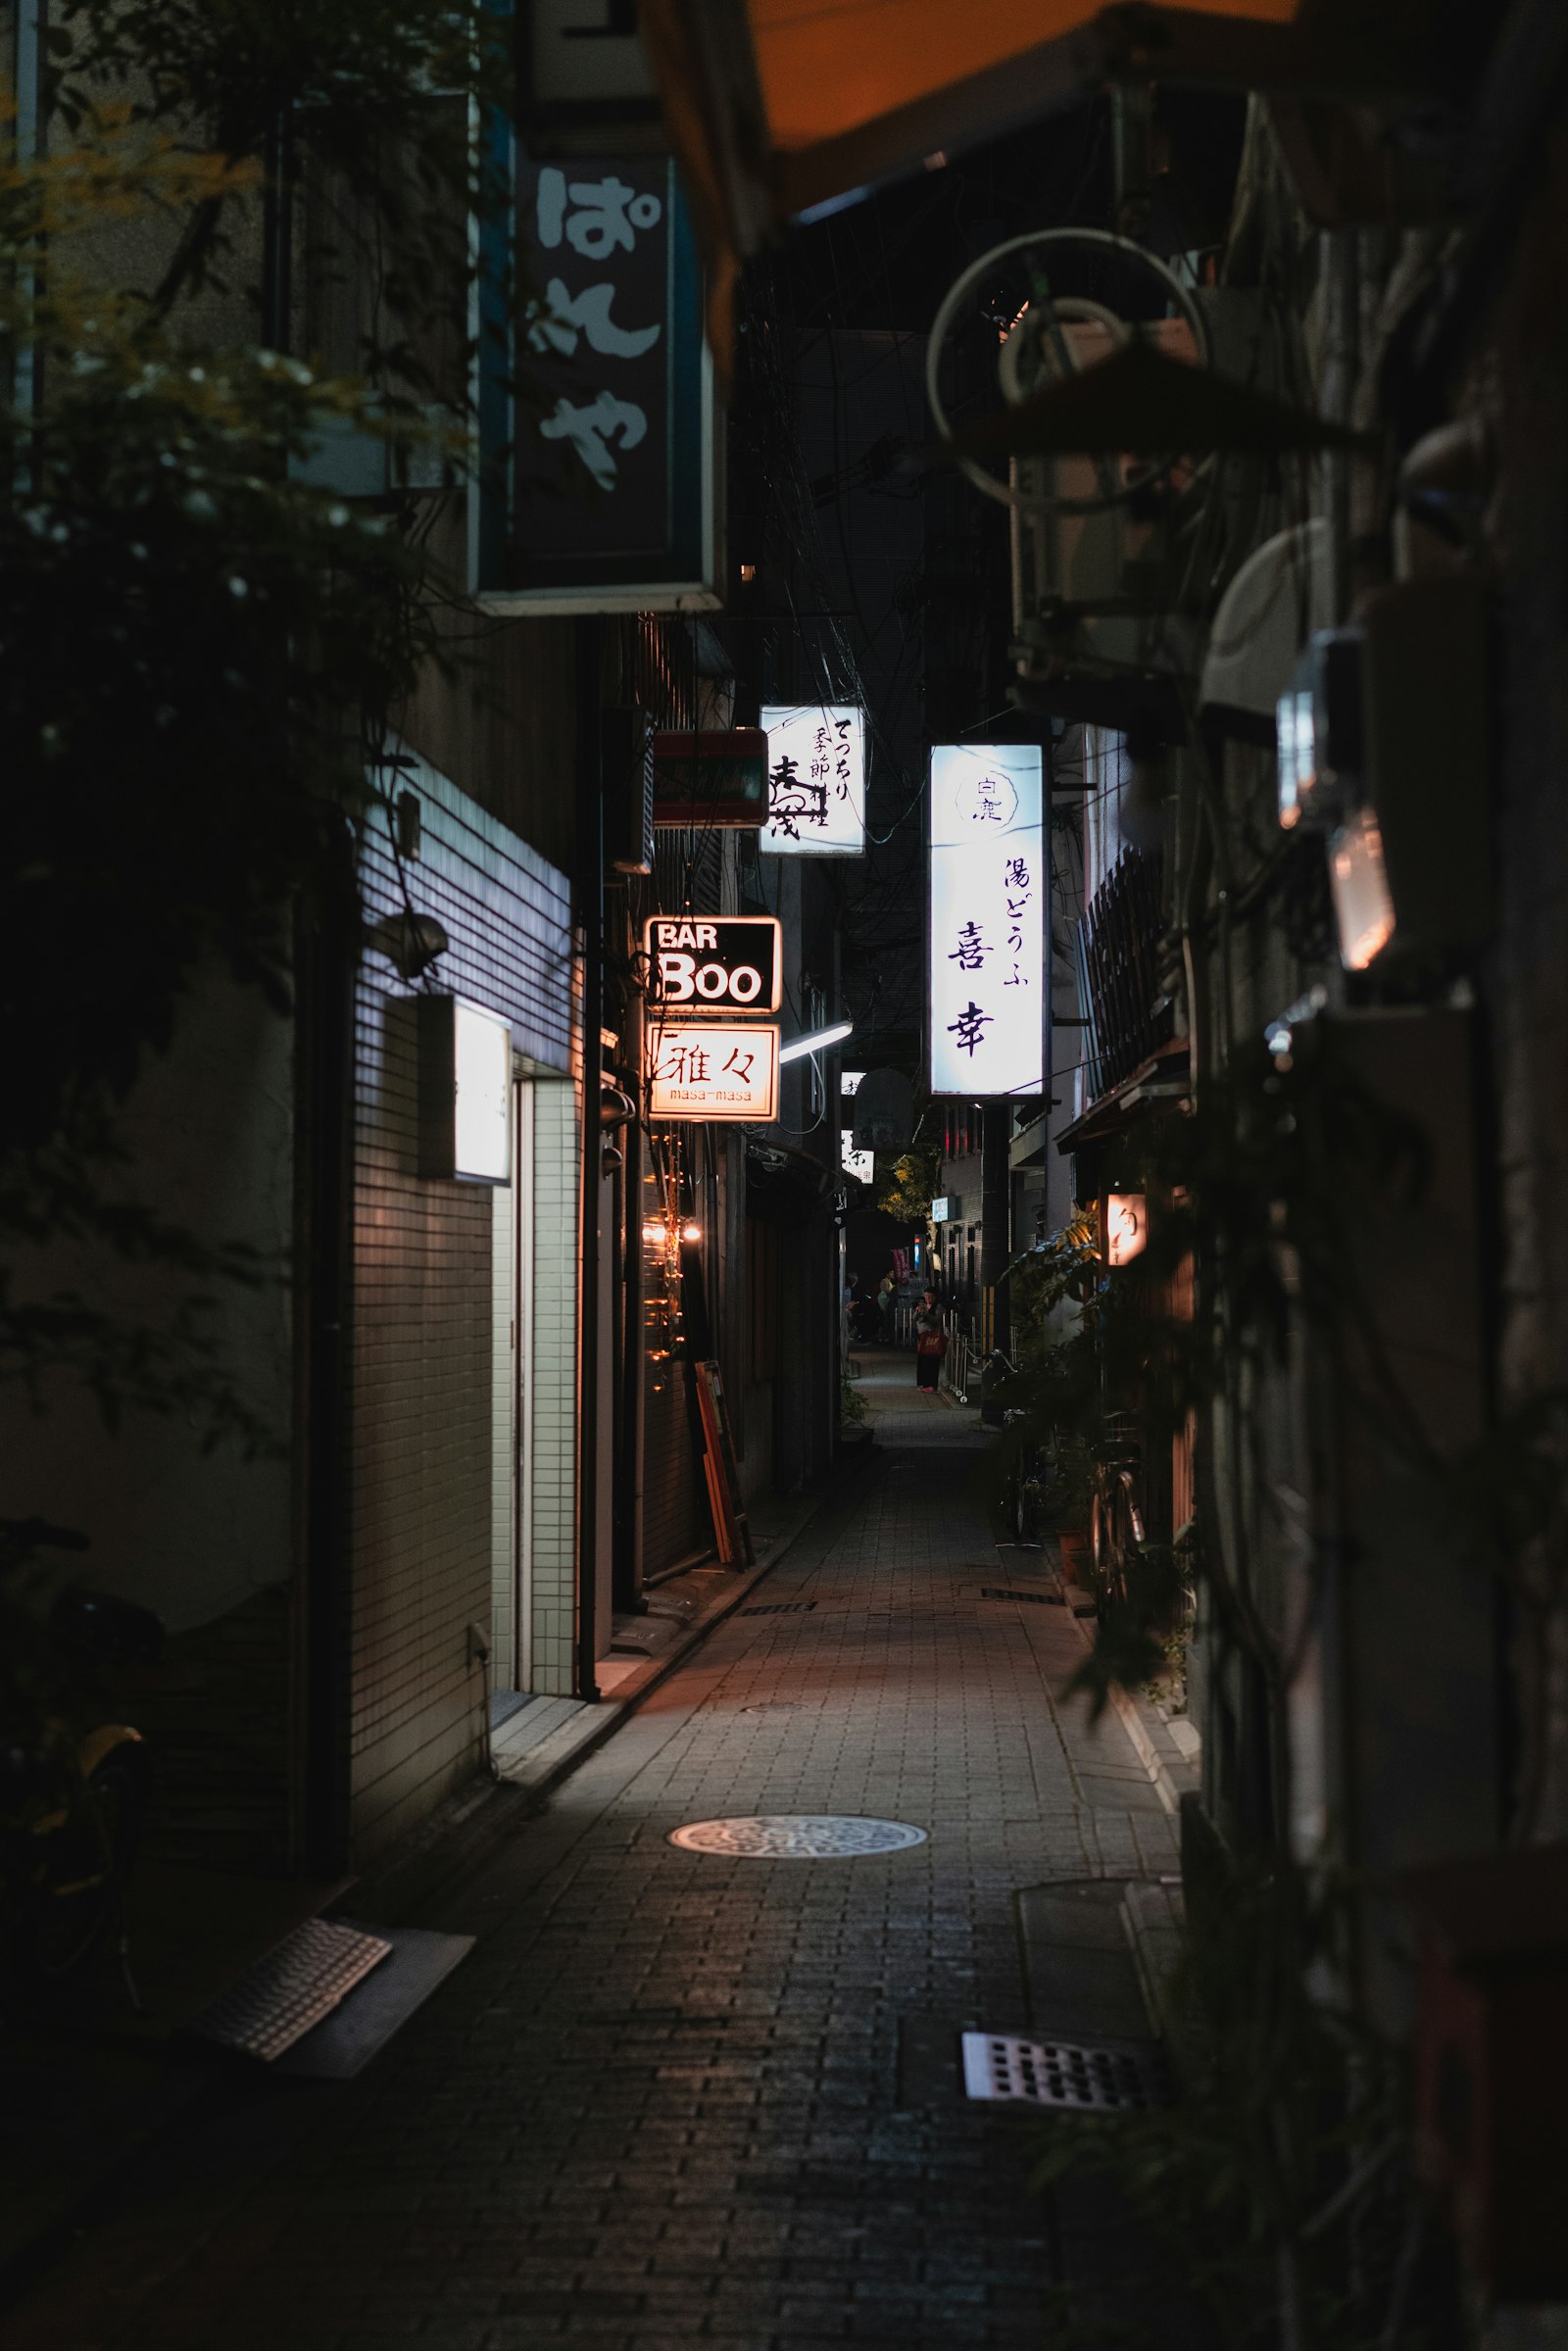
<point>960,1368</point>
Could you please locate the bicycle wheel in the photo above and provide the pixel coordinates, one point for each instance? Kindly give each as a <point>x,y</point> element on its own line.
<point>1115,1531</point>
<point>1026,1498</point>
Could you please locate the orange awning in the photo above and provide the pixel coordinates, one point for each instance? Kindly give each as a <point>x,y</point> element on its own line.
<point>776,106</point>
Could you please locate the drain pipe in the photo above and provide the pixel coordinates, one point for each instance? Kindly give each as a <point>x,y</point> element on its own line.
<point>1340,261</point>
<point>591,888</point>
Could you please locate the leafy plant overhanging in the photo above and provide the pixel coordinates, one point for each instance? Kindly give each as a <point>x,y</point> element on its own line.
<point>198,649</point>
<point>1285,2180</point>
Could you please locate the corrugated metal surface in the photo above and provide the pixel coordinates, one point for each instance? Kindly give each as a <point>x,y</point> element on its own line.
<point>421,1435</point>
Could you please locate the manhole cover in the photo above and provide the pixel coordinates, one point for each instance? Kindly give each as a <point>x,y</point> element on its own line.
<point>1002,2065</point>
<point>1041,1599</point>
<point>797,1837</point>
<point>781,1608</point>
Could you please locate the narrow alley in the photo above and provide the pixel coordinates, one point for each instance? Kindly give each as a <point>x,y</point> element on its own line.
<point>681,2098</point>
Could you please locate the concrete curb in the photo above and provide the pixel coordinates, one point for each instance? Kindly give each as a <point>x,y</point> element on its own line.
<point>1171,1772</point>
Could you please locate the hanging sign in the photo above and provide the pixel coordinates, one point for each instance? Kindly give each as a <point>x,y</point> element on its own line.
<point>598,492</point>
<point>857,1164</point>
<point>733,963</point>
<point>1125,1226</point>
<point>986,919</point>
<point>709,1070</point>
<point>703,780</point>
<point>816,781</point>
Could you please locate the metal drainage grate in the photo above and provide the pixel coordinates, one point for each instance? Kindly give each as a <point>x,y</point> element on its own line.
<point>781,1608</point>
<point>797,1837</point>
<point>1041,1600</point>
<point>1005,2067</point>
<point>300,1981</point>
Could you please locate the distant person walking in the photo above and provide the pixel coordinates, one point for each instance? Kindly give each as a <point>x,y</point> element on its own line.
<point>883,1307</point>
<point>930,1341</point>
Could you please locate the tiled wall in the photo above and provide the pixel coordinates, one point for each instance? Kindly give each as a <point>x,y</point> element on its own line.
<point>552,1533</point>
<point>422,1435</point>
<point>502,1436</point>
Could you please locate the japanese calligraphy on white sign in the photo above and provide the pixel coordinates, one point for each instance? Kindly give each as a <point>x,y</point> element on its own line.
<point>816,781</point>
<point>987,904</point>
<point>857,1164</point>
<point>713,1070</point>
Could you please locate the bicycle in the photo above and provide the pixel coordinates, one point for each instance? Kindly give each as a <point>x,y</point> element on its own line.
<point>71,1808</point>
<point>1116,1529</point>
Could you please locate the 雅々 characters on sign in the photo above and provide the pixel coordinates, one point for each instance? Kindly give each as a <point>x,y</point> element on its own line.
<point>713,1070</point>
<point>816,781</point>
<point>732,963</point>
<point>986,919</point>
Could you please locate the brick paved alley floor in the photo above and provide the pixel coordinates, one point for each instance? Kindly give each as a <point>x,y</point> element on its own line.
<point>676,2099</point>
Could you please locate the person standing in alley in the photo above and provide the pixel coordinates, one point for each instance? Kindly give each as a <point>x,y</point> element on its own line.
<point>930,1341</point>
<point>884,1308</point>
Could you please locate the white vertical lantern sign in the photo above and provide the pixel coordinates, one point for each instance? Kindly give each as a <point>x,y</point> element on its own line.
<point>987,936</point>
<point>816,781</point>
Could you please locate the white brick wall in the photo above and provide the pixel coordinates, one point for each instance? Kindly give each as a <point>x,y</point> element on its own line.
<point>423,1469</point>
<point>502,1435</point>
<point>553,1544</point>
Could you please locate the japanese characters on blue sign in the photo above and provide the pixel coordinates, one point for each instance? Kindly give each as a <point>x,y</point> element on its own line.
<point>611,444</point>
<point>987,918</point>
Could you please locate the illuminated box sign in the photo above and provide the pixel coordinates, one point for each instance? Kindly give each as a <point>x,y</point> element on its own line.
<point>987,910</point>
<point>731,964</point>
<point>713,1070</point>
<point>816,781</point>
<point>702,779</point>
<point>1125,1227</point>
<point>596,491</point>
<point>859,1163</point>
<point>939,1209</point>
<point>464,1090</point>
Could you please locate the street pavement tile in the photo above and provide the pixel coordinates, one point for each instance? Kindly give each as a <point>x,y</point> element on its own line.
<point>660,2103</point>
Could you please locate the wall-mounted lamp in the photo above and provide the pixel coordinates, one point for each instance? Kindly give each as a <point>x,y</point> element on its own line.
<point>1126,1227</point>
<point>1319,730</point>
<point>1362,906</point>
<point>691,1232</point>
<point>410,942</point>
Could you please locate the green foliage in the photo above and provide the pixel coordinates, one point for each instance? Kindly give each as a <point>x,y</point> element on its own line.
<point>196,650</point>
<point>1282,2181</point>
<point>1064,1272</point>
<point>851,1403</point>
<point>909,1190</point>
<point>365,101</point>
